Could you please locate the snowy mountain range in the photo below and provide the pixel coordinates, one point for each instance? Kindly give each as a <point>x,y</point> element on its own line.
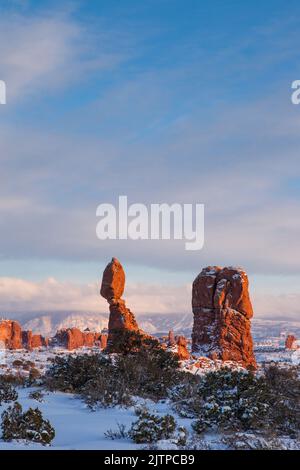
<point>47,323</point>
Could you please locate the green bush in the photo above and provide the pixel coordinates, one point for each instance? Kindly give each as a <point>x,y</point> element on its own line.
<point>151,428</point>
<point>150,371</point>
<point>241,400</point>
<point>71,373</point>
<point>7,392</point>
<point>37,395</point>
<point>13,379</point>
<point>30,426</point>
<point>110,380</point>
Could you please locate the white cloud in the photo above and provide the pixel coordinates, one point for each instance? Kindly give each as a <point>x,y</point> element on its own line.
<point>19,295</point>
<point>23,295</point>
<point>51,295</point>
<point>41,53</point>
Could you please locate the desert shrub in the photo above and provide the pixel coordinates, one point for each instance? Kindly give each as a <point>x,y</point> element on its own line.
<point>127,342</point>
<point>7,392</point>
<point>36,395</point>
<point>18,363</point>
<point>106,391</point>
<point>111,380</point>
<point>30,426</point>
<point>94,377</point>
<point>119,433</point>
<point>181,436</point>
<point>13,379</point>
<point>34,375</point>
<point>283,385</point>
<point>241,400</point>
<point>248,441</point>
<point>30,363</point>
<point>151,428</point>
<point>184,396</point>
<point>71,373</point>
<point>148,370</point>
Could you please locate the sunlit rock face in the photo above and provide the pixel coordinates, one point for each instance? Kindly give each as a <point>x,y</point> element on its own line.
<point>290,342</point>
<point>222,311</point>
<point>182,349</point>
<point>73,338</point>
<point>121,318</point>
<point>10,334</point>
<point>31,341</point>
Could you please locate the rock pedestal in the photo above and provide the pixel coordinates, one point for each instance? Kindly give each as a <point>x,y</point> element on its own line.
<point>222,312</point>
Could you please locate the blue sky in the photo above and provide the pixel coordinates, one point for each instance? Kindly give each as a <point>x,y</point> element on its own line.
<point>164,101</point>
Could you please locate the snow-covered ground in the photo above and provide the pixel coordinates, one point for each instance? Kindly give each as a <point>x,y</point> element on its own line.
<point>20,361</point>
<point>77,427</point>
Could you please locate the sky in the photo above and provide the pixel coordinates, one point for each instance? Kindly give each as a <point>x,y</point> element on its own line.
<point>162,101</point>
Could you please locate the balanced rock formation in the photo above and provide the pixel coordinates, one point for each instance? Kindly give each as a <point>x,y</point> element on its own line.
<point>121,319</point>
<point>222,312</point>
<point>290,342</point>
<point>182,350</point>
<point>10,334</point>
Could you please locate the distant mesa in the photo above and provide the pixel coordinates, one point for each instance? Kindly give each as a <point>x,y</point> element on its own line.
<point>222,311</point>
<point>31,341</point>
<point>12,336</point>
<point>73,338</point>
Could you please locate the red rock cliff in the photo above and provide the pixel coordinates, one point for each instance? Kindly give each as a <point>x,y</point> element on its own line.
<point>10,334</point>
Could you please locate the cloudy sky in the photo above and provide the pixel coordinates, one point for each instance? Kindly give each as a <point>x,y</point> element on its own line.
<point>162,101</point>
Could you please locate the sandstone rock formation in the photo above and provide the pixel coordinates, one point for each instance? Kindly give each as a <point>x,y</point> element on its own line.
<point>10,334</point>
<point>290,342</point>
<point>222,312</point>
<point>182,350</point>
<point>73,338</point>
<point>31,341</point>
<point>121,319</point>
<point>12,337</point>
<point>103,341</point>
<point>113,280</point>
<point>171,338</point>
